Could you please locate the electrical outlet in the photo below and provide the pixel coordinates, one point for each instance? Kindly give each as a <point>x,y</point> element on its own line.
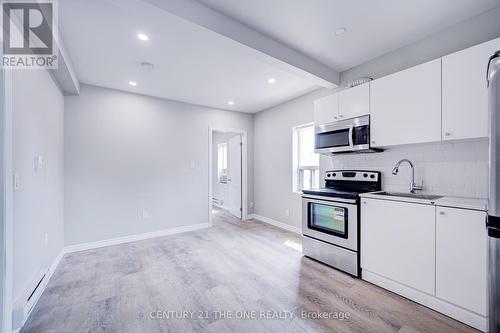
<point>251,204</point>
<point>145,214</point>
<point>46,239</point>
<point>287,212</point>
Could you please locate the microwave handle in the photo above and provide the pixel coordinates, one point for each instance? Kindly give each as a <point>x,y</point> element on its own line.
<point>351,140</point>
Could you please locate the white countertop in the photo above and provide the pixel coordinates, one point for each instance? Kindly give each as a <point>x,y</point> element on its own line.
<point>444,201</point>
<point>466,203</point>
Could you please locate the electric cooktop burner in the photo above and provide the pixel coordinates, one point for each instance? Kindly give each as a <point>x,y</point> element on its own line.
<point>330,192</point>
<point>347,184</point>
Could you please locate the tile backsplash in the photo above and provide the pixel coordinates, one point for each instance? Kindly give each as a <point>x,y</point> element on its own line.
<point>446,168</point>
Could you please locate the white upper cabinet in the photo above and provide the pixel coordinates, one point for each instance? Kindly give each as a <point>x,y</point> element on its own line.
<point>465,95</point>
<point>461,258</point>
<point>397,242</point>
<point>348,103</point>
<point>354,102</point>
<point>326,109</point>
<point>405,107</point>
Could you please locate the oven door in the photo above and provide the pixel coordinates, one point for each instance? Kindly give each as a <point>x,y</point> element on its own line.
<point>334,222</point>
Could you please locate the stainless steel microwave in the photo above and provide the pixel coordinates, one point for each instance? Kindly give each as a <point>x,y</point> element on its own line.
<point>345,136</point>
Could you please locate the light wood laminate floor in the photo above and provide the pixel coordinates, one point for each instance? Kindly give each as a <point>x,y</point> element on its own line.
<point>233,269</point>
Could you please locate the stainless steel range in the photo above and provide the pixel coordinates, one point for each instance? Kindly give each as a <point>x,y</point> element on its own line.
<point>330,218</point>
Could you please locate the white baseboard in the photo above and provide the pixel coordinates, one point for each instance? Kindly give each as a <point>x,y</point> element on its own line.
<point>55,263</point>
<point>133,238</point>
<point>107,242</point>
<point>275,223</point>
<point>470,318</point>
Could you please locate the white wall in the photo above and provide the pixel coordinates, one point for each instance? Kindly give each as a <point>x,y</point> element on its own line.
<point>273,158</point>
<point>38,111</point>
<point>126,152</point>
<point>451,168</point>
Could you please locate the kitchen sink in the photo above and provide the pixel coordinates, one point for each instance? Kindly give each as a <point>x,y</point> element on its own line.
<point>410,195</point>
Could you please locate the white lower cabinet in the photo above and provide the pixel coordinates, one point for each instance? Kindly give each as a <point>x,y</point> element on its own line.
<point>461,258</point>
<point>397,242</point>
<point>436,256</point>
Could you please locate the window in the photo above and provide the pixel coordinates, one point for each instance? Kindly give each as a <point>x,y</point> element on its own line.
<point>305,161</point>
<point>222,162</point>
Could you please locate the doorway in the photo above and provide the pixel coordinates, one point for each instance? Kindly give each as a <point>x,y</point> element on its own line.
<point>227,173</point>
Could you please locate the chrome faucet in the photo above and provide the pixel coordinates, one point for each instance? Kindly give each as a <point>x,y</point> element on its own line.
<point>413,186</point>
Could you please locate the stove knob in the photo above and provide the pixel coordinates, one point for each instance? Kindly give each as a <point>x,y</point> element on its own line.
<point>334,174</point>
<point>328,175</point>
<point>365,175</point>
<point>372,176</point>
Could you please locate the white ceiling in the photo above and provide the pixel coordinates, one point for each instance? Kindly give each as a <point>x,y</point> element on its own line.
<point>373,27</point>
<point>192,64</point>
<point>197,65</point>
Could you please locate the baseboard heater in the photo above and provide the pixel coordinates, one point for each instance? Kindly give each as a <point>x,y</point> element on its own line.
<point>24,306</point>
<point>217,202</point>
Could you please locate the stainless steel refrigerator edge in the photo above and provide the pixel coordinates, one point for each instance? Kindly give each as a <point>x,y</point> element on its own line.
<point>493,221</point>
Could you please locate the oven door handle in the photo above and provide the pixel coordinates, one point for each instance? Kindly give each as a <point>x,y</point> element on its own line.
<point>351,139</point>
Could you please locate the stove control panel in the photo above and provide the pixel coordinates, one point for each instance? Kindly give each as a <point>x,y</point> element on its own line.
<point>352,175</point>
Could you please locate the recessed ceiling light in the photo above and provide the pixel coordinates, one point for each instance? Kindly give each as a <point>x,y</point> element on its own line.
<point>142,36</point>
<point>271,80</point>
<point>340,31</point>
<point>230,103</point>
<point>132,83</point>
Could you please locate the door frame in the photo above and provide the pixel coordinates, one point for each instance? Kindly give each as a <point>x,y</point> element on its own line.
<point>244,169</point>
<point>7,200</point>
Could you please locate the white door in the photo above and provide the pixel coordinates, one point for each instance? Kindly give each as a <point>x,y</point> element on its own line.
<point>397,242</point>
<point>461,258</point>
<point>465,95</point>
<point>405,107</point>
<point>234,175</point>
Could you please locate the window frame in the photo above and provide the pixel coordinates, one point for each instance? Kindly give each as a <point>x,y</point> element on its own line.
<point>298,170</point>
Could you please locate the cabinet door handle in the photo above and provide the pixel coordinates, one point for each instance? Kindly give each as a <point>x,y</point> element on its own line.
<point>441,213</point>
<point>447,134</point>
<point>341,116</point>
<point>335,117</point>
